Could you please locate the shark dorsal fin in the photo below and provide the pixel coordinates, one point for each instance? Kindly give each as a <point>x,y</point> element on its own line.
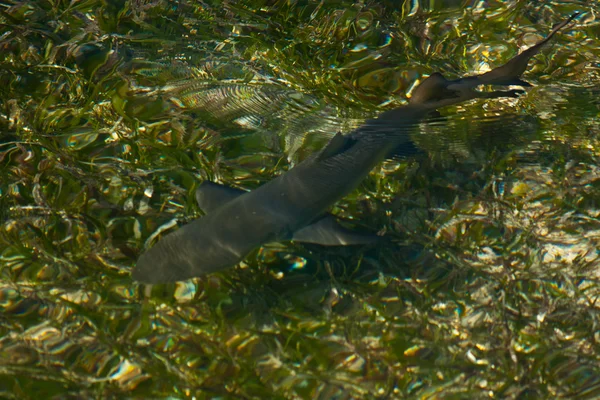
<point>211,196</point>
<point>431,89</point>
<point>328,232</point>
<point>337,145</point>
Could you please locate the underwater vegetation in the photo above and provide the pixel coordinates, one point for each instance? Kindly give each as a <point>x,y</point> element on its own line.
<point>293,205</point>
<point>113,112</point>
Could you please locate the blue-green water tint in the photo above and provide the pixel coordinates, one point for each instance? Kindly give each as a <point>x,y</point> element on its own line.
<point>111,114</point>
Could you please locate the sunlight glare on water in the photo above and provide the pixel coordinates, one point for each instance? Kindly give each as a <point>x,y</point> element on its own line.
<point>113,113</point>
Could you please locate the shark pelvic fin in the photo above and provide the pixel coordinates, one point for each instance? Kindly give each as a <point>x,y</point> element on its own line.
<point>211,196</point>
<point>328,232</point>
<point>404,150</point>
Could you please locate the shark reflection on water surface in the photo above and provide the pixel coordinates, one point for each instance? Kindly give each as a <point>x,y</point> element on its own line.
<point>294,205</point>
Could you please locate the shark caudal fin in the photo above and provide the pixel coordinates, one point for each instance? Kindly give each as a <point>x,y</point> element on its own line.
<point>510,73</point>
<point>436,91</point>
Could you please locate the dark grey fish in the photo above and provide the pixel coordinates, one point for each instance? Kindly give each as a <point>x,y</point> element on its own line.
<point>294,205</point>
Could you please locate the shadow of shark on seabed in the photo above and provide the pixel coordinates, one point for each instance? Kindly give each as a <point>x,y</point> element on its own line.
<point>294,205</point>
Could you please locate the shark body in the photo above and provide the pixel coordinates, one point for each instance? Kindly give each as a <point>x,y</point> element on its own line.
<point>279,208</point>
<point>294,205</point>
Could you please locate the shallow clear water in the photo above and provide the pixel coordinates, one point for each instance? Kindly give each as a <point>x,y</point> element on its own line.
<point>112,113</point>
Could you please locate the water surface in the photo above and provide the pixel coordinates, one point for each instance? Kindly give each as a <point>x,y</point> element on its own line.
<point>112,113</point>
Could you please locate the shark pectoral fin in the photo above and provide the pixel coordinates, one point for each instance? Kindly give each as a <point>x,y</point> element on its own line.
<point>328,232</point>
<point>338,144</point>
<point>211,196</point>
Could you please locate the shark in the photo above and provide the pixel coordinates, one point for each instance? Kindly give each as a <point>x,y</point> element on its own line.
<point>294,205</point>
